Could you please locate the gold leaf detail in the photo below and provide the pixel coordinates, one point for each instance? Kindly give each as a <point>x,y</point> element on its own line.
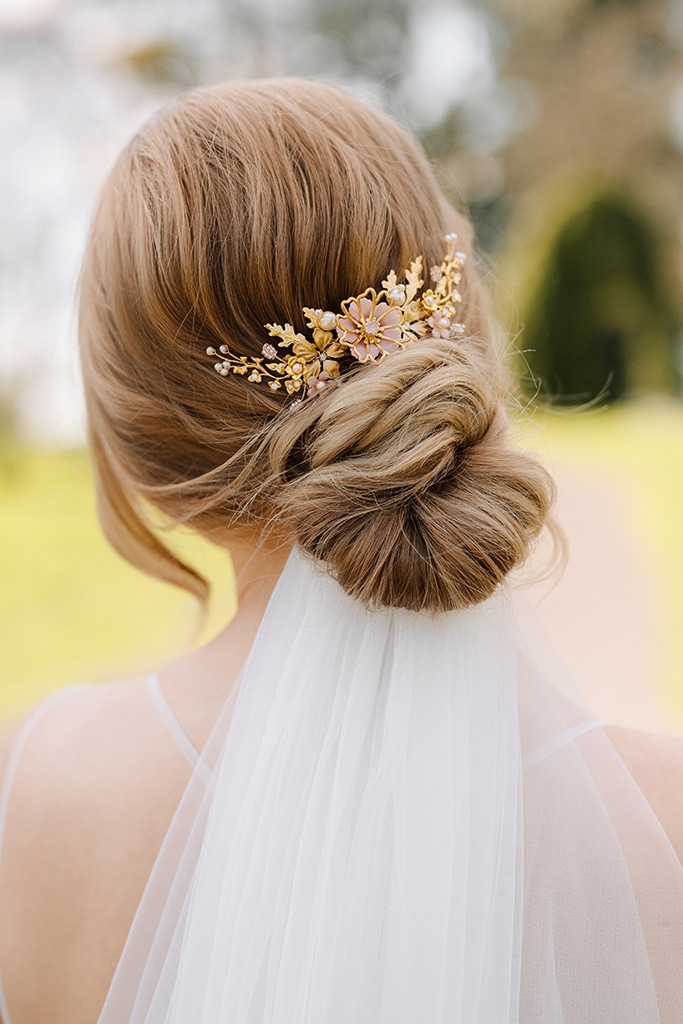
<point>413,279</point>
<point>287,334</point>
<point>311,316</point>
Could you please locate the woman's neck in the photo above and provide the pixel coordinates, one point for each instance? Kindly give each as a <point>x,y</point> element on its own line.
<point>198,684</point>
<point>257,566</point>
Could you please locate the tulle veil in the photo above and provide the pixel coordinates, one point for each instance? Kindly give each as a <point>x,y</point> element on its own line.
<point>402,818</point>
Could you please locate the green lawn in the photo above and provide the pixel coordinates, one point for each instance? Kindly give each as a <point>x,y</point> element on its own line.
<point>71,609</point>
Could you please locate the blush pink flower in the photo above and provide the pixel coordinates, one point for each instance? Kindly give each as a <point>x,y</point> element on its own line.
<point>440,324</point>
<point>370,328</point>
<point>318,384</point>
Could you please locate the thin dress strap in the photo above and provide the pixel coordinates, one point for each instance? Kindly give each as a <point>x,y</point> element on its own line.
<point>18,748</point>
<point>556,743</point>
<point>182,740</point>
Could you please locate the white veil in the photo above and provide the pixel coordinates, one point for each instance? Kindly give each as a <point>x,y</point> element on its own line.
<point>399,820</point>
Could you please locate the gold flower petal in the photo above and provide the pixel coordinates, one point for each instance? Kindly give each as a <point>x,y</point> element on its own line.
<point>335,351</point>
<point>331,366</point>
<point>305,350</point>
<point>322,338</point>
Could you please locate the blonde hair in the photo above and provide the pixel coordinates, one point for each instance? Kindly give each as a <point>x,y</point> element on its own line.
<point>236,206</point>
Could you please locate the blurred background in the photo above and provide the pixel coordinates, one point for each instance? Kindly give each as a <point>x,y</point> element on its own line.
<point>558,124</point>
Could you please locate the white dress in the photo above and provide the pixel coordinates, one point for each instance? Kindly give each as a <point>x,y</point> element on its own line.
<point>402,818</point>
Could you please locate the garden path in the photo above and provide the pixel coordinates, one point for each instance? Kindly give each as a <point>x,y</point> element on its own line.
<point>604,613</point>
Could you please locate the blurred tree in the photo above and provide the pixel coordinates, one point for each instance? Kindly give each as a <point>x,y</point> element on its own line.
<point>605,74</point>
<point>599,321</point>
<point>163,62</point>
<point>13,385</point>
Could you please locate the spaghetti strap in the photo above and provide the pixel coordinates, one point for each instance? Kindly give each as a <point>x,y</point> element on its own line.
<point>13,762</point>
<point>182,740</point>
<point>539,754</point>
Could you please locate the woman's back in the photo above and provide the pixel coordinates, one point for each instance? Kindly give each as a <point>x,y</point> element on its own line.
<point>99,775</point>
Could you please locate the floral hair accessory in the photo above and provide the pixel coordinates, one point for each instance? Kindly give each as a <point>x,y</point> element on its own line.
<point>370,327</point>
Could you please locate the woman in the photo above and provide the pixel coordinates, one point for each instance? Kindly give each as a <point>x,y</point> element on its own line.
<point>364,801</point>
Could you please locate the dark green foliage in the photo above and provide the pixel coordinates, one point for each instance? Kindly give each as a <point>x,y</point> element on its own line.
<point>601,322</point>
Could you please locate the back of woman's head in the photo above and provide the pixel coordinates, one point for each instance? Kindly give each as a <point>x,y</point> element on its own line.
<point>236,207</point>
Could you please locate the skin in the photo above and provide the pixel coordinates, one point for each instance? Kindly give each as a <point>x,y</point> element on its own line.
<point>71,879</point>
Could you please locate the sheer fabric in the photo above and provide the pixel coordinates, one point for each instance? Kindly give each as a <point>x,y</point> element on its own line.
<point>399,818</point>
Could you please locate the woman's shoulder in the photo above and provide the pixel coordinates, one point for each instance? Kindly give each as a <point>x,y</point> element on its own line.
<point>656,764</point>
<point>88,759</point>
<point>91,781</point>
<point>82,735</point>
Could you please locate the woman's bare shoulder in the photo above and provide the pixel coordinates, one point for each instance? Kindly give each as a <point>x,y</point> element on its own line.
<point>94,787</point>
<point>656,764</point>
<point>84,736</point>
<point>95,760</point>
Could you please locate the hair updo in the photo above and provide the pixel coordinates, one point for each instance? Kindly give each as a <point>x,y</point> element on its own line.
<point>237,206</point>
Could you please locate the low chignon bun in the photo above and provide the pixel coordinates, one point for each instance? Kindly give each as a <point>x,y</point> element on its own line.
<point>404,484</point>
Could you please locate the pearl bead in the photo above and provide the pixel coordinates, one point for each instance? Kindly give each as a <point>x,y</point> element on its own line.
<point>223,350</point>
<point>211,351</point>
<point>320,385</point>
<point>397,294</point>
<point>297,367</point>
<point>327,321</point>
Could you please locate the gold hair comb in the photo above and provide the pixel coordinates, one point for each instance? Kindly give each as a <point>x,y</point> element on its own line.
<point>369,327</point>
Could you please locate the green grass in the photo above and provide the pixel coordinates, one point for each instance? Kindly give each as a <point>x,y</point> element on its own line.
<point>71,609</point>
